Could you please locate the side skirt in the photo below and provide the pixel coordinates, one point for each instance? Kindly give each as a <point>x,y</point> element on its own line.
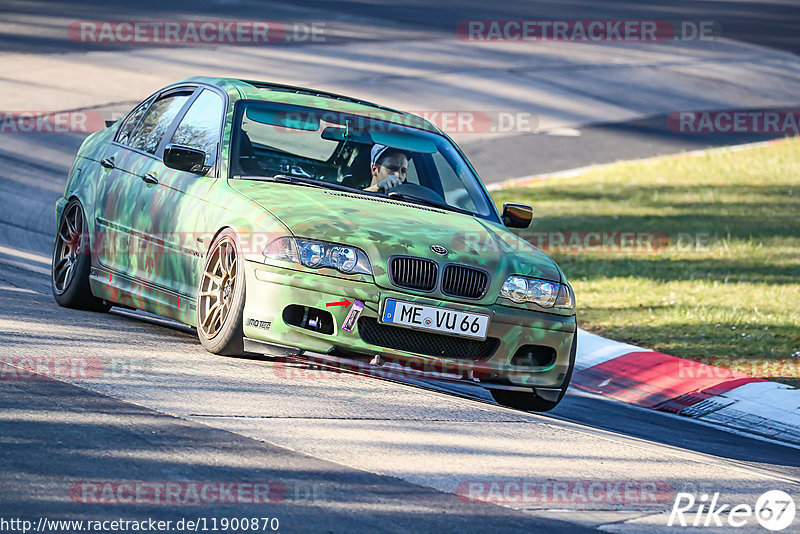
<point>119,288</point>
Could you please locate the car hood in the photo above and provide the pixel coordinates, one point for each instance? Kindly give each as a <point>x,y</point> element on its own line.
<point>385,228</point>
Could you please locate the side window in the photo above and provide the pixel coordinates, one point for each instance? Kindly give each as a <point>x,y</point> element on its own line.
<point>411,176</point>
<point>125,129</point>
<point>147,136</point>
<point>200,127</point>
<point>455,193</point>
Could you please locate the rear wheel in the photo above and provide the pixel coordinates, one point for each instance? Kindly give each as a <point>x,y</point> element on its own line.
<point>220,297</point>
<point>529,401</point>
<point>72,262</point>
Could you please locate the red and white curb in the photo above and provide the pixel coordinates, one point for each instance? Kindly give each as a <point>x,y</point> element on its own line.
<point>662,382</point>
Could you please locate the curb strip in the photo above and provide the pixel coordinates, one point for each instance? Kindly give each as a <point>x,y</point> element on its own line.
<point>688,388</point>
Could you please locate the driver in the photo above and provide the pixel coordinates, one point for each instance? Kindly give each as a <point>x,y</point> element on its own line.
<point>389,167</point>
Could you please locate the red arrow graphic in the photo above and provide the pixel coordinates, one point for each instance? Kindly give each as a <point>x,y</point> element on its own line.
<point>344,302</point>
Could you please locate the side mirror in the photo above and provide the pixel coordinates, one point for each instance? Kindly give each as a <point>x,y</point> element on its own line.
<point>517,215</point>
<point>186,159</point>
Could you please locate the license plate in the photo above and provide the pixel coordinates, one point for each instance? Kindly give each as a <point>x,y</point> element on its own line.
<point>435,319</point>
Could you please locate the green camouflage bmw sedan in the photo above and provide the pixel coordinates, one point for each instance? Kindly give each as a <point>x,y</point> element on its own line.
<point>282,220</point>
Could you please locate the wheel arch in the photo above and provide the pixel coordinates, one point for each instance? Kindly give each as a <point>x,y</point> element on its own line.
<point>76,291</point>
<point>90,219</point>
<point>227,337</point>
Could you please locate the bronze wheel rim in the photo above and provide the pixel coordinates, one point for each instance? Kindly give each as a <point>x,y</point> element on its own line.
<point>217,287</point>
<point>68,246</point>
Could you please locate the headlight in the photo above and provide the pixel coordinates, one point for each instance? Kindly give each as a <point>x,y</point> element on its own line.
<point>344,259</point>
<point>542,292</point>
<point>318,254</point>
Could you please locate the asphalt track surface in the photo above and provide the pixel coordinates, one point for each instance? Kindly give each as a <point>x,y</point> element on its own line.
<point>37,28</point>
<point>771,23</point>
<point>355,454</point>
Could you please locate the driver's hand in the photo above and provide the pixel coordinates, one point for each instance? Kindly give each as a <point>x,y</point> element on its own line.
<point>389,182</point>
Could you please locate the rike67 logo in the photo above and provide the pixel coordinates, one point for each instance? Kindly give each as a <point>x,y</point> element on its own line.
<point>774,510</point>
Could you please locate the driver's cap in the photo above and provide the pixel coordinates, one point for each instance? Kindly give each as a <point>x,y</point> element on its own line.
<point>377,152</point>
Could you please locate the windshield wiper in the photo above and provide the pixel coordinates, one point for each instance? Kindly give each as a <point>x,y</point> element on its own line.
<point>419,200</point>
<point>286,179</point>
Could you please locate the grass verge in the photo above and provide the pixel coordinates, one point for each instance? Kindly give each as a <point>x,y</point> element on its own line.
<point>709,267</point>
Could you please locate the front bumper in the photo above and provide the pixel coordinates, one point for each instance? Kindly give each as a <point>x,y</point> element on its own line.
<point>270,290</point>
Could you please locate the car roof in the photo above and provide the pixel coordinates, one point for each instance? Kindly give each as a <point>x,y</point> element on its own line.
<point>274,92</point>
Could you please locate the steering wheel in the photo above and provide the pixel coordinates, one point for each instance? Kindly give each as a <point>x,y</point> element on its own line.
<point>416,190</point>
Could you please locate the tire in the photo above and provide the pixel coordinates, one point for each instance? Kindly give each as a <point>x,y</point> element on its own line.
<point>529,401</point>
<point>220,297</point>
<point>72,262</point>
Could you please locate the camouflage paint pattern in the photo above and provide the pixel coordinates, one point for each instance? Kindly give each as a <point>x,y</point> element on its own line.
<point>149,243</point>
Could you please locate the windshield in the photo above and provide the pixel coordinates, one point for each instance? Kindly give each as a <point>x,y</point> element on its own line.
<point>363,154</point>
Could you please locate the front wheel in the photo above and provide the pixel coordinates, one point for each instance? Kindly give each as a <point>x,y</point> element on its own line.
<point>220,297</point>
<point>529,401</point>
<point>72,262</point>
<point>524,400</point>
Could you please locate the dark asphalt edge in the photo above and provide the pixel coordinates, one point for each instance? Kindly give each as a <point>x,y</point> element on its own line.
<point>535,153</point>
<point>457,515</point>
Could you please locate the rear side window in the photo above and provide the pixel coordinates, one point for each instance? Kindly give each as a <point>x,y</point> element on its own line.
<point>147,135</point>
<point>200,127</point>
<point>124,133</point>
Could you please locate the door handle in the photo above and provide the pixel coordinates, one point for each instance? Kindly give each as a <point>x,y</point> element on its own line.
<point>149,178</point>
<point>108,163</point>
